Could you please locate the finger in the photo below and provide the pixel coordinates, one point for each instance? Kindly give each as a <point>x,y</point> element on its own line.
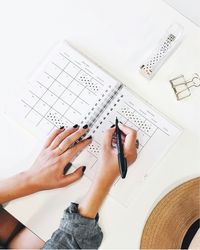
<point>125,129</point>
<point>71,139</point>
<point>108,136</point>
<point>76,175</point>
<point>137,143</point>
<point>114,141</point>
<point>67,167</point>
<point>53,136</point>
<point>70,153</point>
<point>130,139</point>
<point>60,137</point>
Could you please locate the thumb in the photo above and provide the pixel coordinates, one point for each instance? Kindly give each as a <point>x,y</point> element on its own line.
<point>74,176</point>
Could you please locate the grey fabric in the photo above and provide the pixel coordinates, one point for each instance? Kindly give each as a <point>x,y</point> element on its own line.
<point>75,232</point>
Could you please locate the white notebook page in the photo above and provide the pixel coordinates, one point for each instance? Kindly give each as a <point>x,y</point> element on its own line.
<point>66,90</point>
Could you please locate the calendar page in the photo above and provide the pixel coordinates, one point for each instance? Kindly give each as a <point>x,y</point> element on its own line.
<point>68,89</point>
<point>156,134</point>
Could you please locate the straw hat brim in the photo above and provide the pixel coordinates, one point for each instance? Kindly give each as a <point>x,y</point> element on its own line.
<point>172,217</point>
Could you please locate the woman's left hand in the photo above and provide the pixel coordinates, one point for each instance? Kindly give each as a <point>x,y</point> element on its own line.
<point>48,169</point>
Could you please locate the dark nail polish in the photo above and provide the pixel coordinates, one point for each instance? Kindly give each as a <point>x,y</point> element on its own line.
<point>113,126</point>
<point>61,127</point>
<point>85,126</point>
<point>89,137</point>
<point>120,122</point>
<point>83,169</point>
<point>76,126</point>
<point>67,167</point>
<point>137,143</point>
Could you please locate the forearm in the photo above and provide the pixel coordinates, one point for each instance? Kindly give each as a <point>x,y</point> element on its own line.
<point>15,187</point>
<point>93,200</point>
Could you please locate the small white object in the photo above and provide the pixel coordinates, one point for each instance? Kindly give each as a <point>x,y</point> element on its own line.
<point>164,49</point>
<point>182,87</point>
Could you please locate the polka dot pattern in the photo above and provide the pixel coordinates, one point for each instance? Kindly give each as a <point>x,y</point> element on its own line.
<point>149,66</point>
<point>88,82</point>
<point>94,148</point>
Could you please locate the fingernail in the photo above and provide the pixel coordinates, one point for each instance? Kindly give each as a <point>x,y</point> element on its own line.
<point>112,126</point>
<point>89,137</point>
<point>76,126</point>
<point>61,127</point>
<point>85,126</point>
<point>83,169</point>
<point>120,122</point>
<point>137,143</point>
<point>67,167</point>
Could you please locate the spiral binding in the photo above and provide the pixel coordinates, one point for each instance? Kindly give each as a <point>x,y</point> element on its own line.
<point>104,105</point>
<point>110,109</point>
<point>95,115</point>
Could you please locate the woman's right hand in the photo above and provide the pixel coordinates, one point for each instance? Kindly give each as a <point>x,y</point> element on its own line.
<point>108,169</point>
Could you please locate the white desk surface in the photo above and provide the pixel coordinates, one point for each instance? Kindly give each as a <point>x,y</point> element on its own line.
<point>117,35</point>
<point>189,9</point>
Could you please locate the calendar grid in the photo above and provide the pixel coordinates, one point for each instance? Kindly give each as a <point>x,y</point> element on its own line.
<point>61,98</point>
<point>36,111</point>
<point>74,99</point>
<point>71,90</point>
<point>51,107</point>
<point>127,120</point>
<point>139,129</point>
<point>82,70</point>
<point>149,120</point>
<point>45,91</point>
<point>70,106</point>
<point>64,86</point>
<point>77,74</point>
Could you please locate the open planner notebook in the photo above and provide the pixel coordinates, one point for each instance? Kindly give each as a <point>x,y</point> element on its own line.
<point>69,89</point>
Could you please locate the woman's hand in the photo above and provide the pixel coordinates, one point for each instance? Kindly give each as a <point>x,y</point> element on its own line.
<point>48,170</point>
<point>108,169</point>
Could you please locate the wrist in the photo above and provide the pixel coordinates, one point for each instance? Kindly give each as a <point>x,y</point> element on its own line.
<point>106,177</point>
<point>103,182</point>
<point>91,203</point>
<point>29,182</point>
<point>98,191</point>
<point>16,187</point>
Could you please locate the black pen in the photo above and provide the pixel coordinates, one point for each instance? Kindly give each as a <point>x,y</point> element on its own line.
<point>121,159</point>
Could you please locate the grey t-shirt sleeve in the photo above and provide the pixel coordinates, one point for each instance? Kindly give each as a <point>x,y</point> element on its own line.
<point>75,232</point>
